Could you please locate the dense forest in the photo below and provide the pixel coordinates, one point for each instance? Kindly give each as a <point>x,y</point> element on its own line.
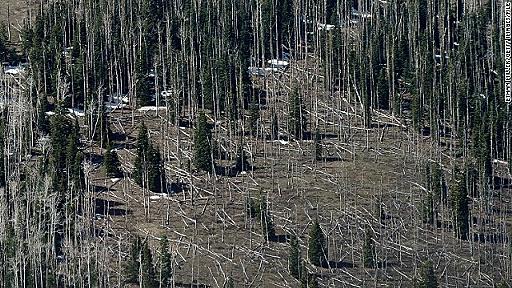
<point>255,143</point>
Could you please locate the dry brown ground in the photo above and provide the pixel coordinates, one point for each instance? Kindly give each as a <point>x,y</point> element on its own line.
<point>213,239</point>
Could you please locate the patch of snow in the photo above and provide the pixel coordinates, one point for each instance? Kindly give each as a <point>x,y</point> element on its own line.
<point>116,102</point>
<point>14,70</point>
<point>166,93</point>
<point>159,196</point>
<point>112,106</point>
<point>278,63</point>
<point>76,112</point>
<point>114,180</point>
<point>456,43</point>
<point>151,108</point>
<point>327,27</point>
<point>283,142</point>
<point>49,113</point>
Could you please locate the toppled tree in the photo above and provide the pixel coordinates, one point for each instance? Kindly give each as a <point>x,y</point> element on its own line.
<point>202,144</point>
<point>317,248</point>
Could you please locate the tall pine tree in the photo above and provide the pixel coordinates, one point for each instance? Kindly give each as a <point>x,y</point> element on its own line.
<point>317,248</point>
<point>202,144</point>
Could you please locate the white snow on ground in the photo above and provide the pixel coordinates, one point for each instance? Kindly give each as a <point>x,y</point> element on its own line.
<point>159,196</point>
<point>49,113</point>
<point>326,27</point>
<point>112,106</point>
<point>116,102</point>
<point>151,108</point>
<point>283,142</point>
<point>14,70</point>
<point>166,93</point>
<point>278,63</point>
<point>114,180</point>
<point>76,112</point>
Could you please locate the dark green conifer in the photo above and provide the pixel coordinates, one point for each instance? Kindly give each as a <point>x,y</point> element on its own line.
<point>368,249</point>
<point>147,268</point>
<point>428,277</point>
<point>297,120</point>
<point>202,144</point>
<point>317,248</point>
<point>165,264</point>
<point>42,119</point>
<point>266,220</point>
<point>294,258</point>
<point>318,146</point>
<point>254,115</point>
<point>132,265</point>
<point>148,164</point>
<point>112,163</point>
<point>460,205</point>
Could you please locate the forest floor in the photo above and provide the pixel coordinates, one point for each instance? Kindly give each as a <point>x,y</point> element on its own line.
<point>213,238</point>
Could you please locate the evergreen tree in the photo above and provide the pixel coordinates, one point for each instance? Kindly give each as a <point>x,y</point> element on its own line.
<point>266,220</point>
<point>148,164</point>
<point>242,164</point>
<point>297,118</point>
<point>74,156</point>
<point>309,281</point>
<point>460,205</point>
<point>254,115</point>
<point>142,81</point>
<point>368,250</point>
<point>229,283</point>
<point>42,120</point>
<point>318,146</point>
<point>132,266</point>
<point>3,120</point>
<point>428,211</point>
<point>147,268</point>
<point>294,258</point>
<point>165,264</point>
<point>202,144</point>
<point>112,163</point>
<point>383,89</point>
<point>274,126</point>
<point>428,277</point>
<point>317,248</point>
